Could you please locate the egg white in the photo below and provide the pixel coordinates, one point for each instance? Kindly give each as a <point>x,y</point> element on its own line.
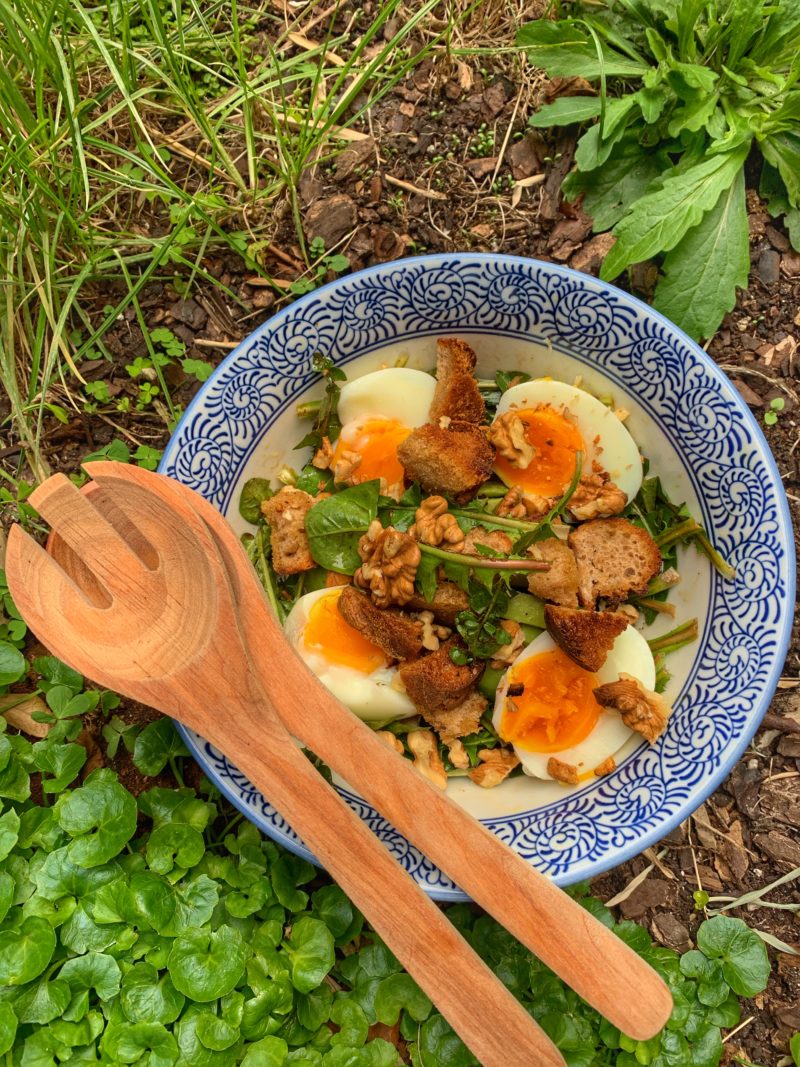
<point>394,393</point>
<point>371,697</point>
<point>607,440</point>
<point>630,654</point>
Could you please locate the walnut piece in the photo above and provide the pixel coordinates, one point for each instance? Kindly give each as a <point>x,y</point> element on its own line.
<point>508,652</point>
<point>345,466</point>
<point>390,565</point>
<point>432,632</point>
<point>507,434</point>
<point>426,757</point>
<point>323,457</point>
<point>495,766</point>
<point>608,766</point>
<point>391,740</point>
<point>645,712</point>
<point>458,755</point>
<point>596,497</point>
<point>562,772</point>
<point>435,526</point>
<point>518,505</point>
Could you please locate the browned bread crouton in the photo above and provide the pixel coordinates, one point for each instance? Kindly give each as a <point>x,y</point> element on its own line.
<point>615,560</point>
<point>435,683</point>
<point>585,636</point>
<point>457,395</point>
<point>448,600</point>
<point>565,773</point>
<point>645,712</point>
<point>560,583</point>
<point>494,539</point>
<point>454,461</point>
<point>286,514</point>
<point>394,632</point>
<point>460,721</point>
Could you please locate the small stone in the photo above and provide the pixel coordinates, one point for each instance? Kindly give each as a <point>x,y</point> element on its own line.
<point>790,266</point>
<point>357,154</point>
<point>263,299</point>
<point>671,932</point>
<point>750,396</point>
<point>588,258</point>
<point>331,219</point>
<point>769,266</point>
<point>481,168</point>
<point>575,230</point>
<point>375,189</point>
<point>777,239</point>
<point>408,110</point>
<point>524,158</point>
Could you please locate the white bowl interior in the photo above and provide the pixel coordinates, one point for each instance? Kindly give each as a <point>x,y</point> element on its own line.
<point>691,596</point>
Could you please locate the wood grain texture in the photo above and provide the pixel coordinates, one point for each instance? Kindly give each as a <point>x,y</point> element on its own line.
<point>591,959</point>
<point>142,604</point>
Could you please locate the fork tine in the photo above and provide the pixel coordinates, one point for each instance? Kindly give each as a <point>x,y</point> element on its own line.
<point>86,531</point>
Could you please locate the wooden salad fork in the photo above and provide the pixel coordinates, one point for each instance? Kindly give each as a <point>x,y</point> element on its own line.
<point>144,607</point>
<point>592,960</point>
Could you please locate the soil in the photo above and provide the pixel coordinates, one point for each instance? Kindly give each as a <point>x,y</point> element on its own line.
<point>430,177</point>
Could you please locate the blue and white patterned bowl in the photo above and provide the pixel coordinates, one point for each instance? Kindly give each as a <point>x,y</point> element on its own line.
<point>686,417</point>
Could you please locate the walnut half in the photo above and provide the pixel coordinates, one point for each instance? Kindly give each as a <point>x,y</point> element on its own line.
<point>507,434</point>
<point>495,766</point>
<point>435,526</point>
<point>645,712</point>
<point>390,565</point>
<point>426,757</point>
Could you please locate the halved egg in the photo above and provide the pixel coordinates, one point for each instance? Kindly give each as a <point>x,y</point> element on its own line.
<point>354,669</point>
<point>556,714</point>
<point>561,420</point>
<point>378,411</point>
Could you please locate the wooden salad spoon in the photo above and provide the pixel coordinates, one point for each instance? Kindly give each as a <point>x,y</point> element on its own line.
<point>592,960</point>
<point>146,610</point>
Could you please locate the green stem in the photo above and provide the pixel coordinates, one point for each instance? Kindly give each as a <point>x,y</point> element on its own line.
<point>718,560</point>
<point>493,490</point>
<point>485,518</point>
<point>173,766</point>
<point>661,606</point>
<point>486,562</point>
<point>687,528</point>
<point>677,638</point>
<point>308,409</point>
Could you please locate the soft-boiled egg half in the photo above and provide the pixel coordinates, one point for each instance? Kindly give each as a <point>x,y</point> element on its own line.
<point>556,715</point>
<point>354,669</point>
<point>561,420</point>
<point>377,412</point>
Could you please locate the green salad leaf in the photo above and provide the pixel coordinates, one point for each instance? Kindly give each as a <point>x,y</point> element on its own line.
<point>335,525</point>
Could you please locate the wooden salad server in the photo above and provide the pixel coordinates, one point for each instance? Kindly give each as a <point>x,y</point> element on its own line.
<point>146,609</point>
<point>591,959</point>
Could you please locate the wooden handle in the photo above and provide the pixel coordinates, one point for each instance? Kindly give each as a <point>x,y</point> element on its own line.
<point>488,1018</point>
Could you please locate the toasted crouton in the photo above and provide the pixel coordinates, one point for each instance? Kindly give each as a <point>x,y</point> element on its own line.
<point>645,712</point>
<point>394,632</point>
<point>457,396</point>
<point>435,683</point>
<point>448,600</point>
<point>615,560</point>
<point>454,461</point>
<point>460,721</point>
<point>496,540</point>
<point>565,773</point>
<point>286,514</point>
<point>585,636</point>
<point>560,583</point>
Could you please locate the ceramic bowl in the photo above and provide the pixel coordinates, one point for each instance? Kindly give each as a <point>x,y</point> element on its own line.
<point>686,417</point>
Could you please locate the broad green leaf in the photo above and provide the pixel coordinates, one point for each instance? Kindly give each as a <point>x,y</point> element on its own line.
<point>274,997</point>
<point>42,1001</point>
<point>146,996</point>
<point>59,763</point>
<point>287,873</point>
<point>745,19</point>
<point>609,192</point>
<point>398,992</point>
<point>25,952</point>
<point>192,1051</point>
<point>314,1007</point>
<point>782,150</point>
<point>12,663</point>
<point>215,1033</point>
<point>145,1043</point>
<point>658,221</point>
<point>311,951</point>
<point>268,1052</point>
<point>702,272</point>
<point>8,1027</point>
<point>95,970</point>
<point>565,48</point>
<point>335,525</point>
<point>176,805</point>
<point>9,832</point>
<point>254,492</point>
<point>338,913</point>
<point>38,829</point>
<point>745,963</point>
<point>438,1043</point>
<point>156,745</point>
<point>794,1048</point>
<point>7,886</point>
<point>100,816</point>
<point>55,672</point>
<point>176,844</point>
<point>352,1023</point>
<point>206,964</point>
<point>599,141</point>
<point>82,933</point>
<point>565,110</point>
<point>170,909</point>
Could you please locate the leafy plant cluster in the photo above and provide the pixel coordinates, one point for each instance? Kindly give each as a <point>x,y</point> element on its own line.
<point>158,933</point>
<point>685,89</point>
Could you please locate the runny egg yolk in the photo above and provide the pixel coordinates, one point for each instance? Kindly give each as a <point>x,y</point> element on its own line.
<point>556,439</point>
<point>327,633</point>
<point>556,709</point>
<point>376,440</point>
